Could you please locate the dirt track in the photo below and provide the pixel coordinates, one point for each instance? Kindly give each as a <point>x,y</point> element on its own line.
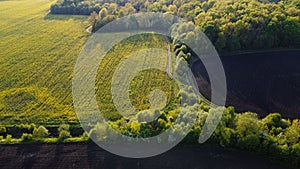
<point>262,82</point>
<point>81,156</point>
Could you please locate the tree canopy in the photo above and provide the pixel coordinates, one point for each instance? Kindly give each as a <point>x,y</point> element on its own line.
<point>231,25</point>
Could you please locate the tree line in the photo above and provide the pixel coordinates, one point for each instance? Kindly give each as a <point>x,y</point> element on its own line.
<point>271,136</point>
<point>230,25</point>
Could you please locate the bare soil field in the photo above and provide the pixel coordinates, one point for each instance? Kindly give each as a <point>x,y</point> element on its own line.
<point>264,82</point>
<point>89,155</point>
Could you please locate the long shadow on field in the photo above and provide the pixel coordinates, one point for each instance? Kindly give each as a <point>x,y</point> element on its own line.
<point>29,156</point>
<point>89,155</point>
<point>98,158</point>
<point>64,17</point>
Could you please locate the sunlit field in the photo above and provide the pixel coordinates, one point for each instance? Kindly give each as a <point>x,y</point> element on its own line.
<point>37,56</point>
<point>144,82</point>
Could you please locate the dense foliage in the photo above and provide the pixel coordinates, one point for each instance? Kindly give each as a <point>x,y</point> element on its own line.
<point>230,24</point>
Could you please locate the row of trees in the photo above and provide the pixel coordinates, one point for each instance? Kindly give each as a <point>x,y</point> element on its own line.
<point>32,133</point>
<point>251,24</point>
<point>86,7</point>
<point>271,136</point>
<point>77,7</point>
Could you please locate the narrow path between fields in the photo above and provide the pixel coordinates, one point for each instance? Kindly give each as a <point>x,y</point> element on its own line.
<point>169,59</point>
<point>89,29</point>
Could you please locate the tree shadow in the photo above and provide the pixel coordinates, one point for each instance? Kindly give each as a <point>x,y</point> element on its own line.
<point>50,16</point>
<point>100,158</point>
<point>29,155</point>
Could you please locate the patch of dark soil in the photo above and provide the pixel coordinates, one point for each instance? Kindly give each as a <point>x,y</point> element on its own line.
<point>259,82</point>
<point>89,155</point>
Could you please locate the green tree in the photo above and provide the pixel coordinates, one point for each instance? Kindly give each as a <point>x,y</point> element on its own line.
<point>225,129</point>
<point>103,13</point>
<point>135,128</point>
<point>292,133</point>
<point>93,19</point>
<point>248,124</point>
<point>274,124</point>
<point>292,136</point>
<point>272,120</point>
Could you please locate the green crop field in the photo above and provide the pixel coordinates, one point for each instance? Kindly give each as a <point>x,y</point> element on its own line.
<point>37,57</point>
<point>144,82</point>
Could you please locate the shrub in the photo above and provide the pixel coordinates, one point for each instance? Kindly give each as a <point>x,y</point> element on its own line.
<point>29,127</point>
<point>40,132</point>
<point>26,137</point>
<point>63,134</point>
<point>99,132</point>
<point>64,131</point>
<point>8,138</point>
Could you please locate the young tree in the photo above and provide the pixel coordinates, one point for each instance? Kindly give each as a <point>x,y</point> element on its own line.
<point>93,19</point>
<point>272,122</point>
<point>248,124</point>
<point>135,128</point>
<point>103,13</point>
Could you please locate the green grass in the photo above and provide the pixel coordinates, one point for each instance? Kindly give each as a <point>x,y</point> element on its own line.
<point>37,57</point>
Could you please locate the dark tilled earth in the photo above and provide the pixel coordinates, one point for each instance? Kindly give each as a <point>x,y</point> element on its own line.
<point>261,82</point>
<point>89,155</point>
